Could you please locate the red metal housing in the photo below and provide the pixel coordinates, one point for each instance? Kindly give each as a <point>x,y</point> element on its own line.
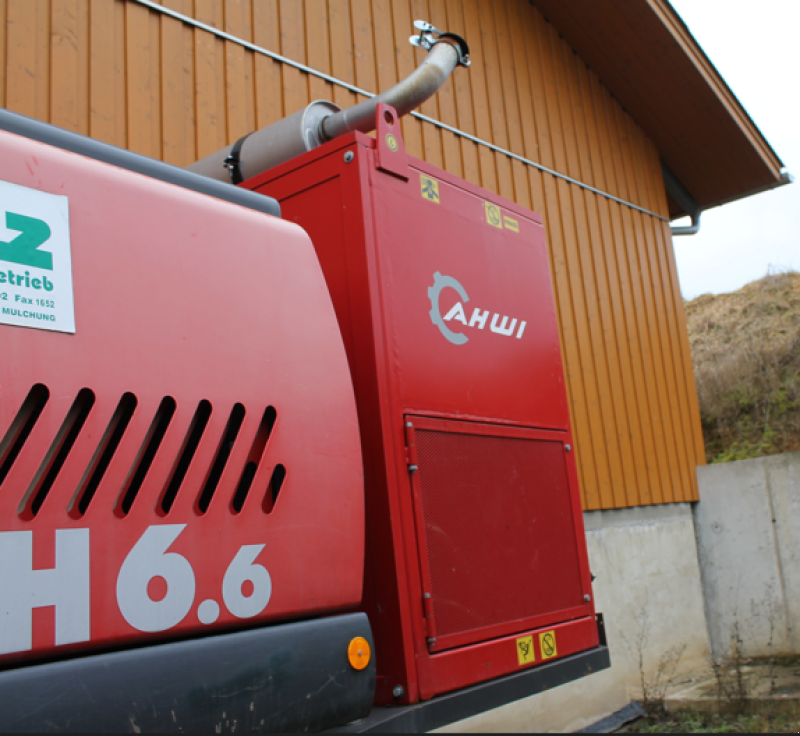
<point>189,459</point>
<point>476,556</point>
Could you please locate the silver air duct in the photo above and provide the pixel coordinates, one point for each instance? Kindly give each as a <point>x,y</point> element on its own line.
<point>323,121</point>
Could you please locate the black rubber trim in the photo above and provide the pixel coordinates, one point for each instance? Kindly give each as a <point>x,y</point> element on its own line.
<point>291,677</point>
<point>89,147</point>
<point>478,699</point>
<point>233,160</point>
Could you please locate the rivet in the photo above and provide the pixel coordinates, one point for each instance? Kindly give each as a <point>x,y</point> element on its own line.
<point>587,598</point>
<point>348,157</point>
<point>412,468</point>
<point>399,692</point>
<point>568,448</point>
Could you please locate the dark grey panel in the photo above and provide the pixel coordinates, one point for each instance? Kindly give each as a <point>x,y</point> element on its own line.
<point>292,677</point>
<point>471,701</point>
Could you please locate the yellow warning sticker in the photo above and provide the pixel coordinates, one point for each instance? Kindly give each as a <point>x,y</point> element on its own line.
<point>493,215</point>
<point>525,653</point>
<point>391,142</point>
<point>430,188</point>
<point>547,643</point>
<point>511,224</point>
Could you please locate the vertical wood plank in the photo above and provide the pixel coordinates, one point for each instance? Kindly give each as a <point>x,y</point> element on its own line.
<point>25,70</point>
<point>431,136</point>
<point>295,83</point>
<point>209,102</point>
<point>465,119</point>
<point>235,71</point>
<point>341,49</point>
<point>451,147</point>
<point>406,61</point>
<point>494,88</point>
<point>504,21</point>
<point>318,44</point>
<point>106,74</point>
<point>144,109</point>
<point>3,57</point>
<point>530,147</point>
<point>480,98</point>
<point>177,87</point>
<point>64,74</point>
<point>154,66</point>
<point>268,82</point>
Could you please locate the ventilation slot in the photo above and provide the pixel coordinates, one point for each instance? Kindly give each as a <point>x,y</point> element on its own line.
<point>193,437</point>
<point>221,459</point>
<point>155,435</point>
<point>21,427</point>
<point>274,488</point>
<point>102,457</point>
<point>57,454</point>
<point>254,458</point>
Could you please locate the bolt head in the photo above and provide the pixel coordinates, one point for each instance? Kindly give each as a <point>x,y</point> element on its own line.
<point>568,448</point>
<point>587,598</point>
<point>348,157</point>
<point>399,692</point>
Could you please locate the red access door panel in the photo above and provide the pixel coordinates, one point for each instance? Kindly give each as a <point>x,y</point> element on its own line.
<point>476,561</point>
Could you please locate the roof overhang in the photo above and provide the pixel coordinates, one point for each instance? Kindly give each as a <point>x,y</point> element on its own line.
<point>647,58</point>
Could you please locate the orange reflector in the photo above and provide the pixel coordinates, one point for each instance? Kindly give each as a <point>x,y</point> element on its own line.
<point>358,653</point>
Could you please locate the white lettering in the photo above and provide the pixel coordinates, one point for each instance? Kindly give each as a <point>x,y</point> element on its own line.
<point>457,313</point>
<point>22,589</point>
<point>521,330</point>
<point>240,571</point>
<point>478,318</point>
<point>502,329</point>
<point>149,559</point>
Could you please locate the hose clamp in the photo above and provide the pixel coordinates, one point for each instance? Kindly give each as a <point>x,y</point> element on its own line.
<point>430,36</point>
<point>232,162</point>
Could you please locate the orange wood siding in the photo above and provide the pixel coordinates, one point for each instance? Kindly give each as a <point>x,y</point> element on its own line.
<point>122,73</point>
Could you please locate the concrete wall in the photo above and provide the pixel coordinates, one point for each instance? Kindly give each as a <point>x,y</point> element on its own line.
<point>748,539</point>
<point>648,588</point>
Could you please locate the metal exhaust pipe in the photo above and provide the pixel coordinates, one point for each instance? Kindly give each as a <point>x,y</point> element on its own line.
<point>323,121</point>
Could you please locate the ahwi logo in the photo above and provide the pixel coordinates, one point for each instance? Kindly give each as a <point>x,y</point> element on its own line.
<point>457,313</point>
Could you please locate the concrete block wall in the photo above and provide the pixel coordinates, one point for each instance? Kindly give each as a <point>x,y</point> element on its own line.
<point>748,538</point>
<point>648,587</point>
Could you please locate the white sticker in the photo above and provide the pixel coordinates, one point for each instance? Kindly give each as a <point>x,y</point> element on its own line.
<point>35,260</point>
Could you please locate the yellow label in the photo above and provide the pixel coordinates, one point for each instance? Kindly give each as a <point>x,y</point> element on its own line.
<point>511,224</point>
<point>430,188</point>
<point>493,215</point>
<point>525,653</point>
<point>391,142</point>
<point>547,643</point>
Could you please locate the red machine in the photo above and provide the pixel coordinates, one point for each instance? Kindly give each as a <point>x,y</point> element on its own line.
<point>188,439</point>
<point>476,560</point>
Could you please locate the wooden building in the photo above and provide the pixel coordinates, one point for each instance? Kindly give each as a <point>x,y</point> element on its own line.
<point>570,108</point>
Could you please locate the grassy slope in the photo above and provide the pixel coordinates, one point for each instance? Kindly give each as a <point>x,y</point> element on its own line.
<point>746,353</point>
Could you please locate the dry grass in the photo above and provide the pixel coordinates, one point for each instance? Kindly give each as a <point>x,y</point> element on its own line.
<point>746,354</point>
